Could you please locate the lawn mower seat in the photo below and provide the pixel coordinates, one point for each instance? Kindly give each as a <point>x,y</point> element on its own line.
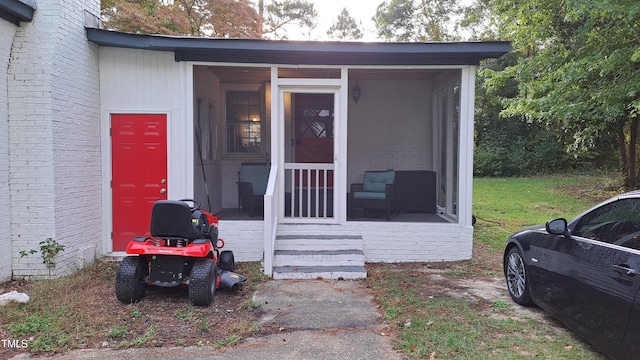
<point>173,219</point>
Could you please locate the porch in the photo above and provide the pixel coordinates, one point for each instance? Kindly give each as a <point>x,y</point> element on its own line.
<point>313,137</point>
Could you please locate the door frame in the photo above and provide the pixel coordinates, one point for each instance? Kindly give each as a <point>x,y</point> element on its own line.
<point>107,195</point>
<point>337,87</point>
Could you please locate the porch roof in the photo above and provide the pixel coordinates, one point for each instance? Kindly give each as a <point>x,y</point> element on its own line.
<point>304,52</point>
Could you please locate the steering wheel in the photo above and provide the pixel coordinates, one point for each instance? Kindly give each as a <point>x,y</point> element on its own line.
<point>196,204</point>
<point>631,241</point>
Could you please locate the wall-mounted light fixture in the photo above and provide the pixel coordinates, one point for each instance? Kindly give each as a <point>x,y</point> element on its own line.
<point>355,92</point>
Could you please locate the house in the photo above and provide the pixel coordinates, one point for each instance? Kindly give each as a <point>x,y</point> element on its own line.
<point>102,123</point>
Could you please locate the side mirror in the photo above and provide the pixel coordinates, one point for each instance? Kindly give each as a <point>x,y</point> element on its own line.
<point>557,227</point>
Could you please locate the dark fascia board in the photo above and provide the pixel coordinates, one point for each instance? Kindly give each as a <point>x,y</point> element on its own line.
<point>304,52</point>
<point>16,11</point>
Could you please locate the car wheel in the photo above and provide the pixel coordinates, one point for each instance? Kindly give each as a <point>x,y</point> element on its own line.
<point>515,272</point>
<point>226,261</point>
<point>202,282</point>
<point>130,279</point>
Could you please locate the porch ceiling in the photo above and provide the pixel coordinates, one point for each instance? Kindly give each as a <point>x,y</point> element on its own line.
<point>304,52</point>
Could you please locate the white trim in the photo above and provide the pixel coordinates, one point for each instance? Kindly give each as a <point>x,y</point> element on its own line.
<point>465,141</point>
<point>323,86</point>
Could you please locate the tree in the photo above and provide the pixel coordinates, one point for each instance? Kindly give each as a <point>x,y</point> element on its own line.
<point>478,21</point>
<point>214,18</point>
<point>144,16</point>
<point>511,146</point>
<point>416,20</point>
<point>345,27</point>
<point>579,70</point>
<point>281,15</point>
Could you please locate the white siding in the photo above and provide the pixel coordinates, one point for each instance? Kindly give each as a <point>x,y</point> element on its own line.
<point>54,137</point>
<point>7,31</point>
<point>138,81</point>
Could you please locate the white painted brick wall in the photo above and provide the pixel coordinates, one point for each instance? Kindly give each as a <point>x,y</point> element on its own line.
<point>390,127</point>
<point>7,31</point>
<point>397,242</point>
<point>244,238</point>
<point>54,137</point>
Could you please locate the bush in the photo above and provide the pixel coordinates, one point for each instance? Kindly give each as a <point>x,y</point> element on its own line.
<point>519,149</point>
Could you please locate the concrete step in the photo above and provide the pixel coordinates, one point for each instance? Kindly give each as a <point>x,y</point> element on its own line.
<point>318,242</point>
<point>319,272</point>
<point>318,256</point>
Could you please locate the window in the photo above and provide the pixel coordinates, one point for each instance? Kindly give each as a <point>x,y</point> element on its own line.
<point>615,223</point>
<point>244,122</point>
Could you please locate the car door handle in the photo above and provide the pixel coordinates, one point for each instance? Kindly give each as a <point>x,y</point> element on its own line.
<point>624,270</point>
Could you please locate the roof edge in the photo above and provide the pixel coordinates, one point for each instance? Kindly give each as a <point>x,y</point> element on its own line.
<point>16,11</point>
<point>304,52</point>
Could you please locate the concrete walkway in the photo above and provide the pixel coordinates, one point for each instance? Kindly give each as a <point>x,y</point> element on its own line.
<point>308,319</point>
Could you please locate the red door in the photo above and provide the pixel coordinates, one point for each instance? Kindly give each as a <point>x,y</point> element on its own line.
<point>314,131</point>
<point>139,172</point>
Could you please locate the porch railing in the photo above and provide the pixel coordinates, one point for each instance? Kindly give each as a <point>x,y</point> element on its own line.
<point>270,220</point>
<point>308,190</point>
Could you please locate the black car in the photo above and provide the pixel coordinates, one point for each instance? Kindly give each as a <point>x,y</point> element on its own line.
<point>585,272</point>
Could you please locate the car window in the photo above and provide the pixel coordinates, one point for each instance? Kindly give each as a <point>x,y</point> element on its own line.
<point>615,223</point>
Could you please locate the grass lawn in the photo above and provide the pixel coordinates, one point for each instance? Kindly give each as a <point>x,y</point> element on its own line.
<point>504,205</point>
<point>425,305</point>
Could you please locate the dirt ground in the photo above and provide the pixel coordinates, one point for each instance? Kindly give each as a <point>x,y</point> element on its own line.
<point>165,317</point>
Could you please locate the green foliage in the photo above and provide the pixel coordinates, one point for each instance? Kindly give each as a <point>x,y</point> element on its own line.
<point>49,248</point>
<point>149,335</point>
<point>515,148</point>
<point>118,331</point>
<point>228,341</point>
<point>578,70</point>
<point>413,20</point>
<point>345,27</point>
<point>31,324</point>
<point>283,14</point>
<point>214,18</point>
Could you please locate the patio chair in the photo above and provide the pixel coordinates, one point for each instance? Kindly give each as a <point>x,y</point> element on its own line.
<point>375,192</point>
<point>252,185</point>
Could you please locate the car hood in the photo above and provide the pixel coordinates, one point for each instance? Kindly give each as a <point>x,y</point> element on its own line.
<point>540,227</point>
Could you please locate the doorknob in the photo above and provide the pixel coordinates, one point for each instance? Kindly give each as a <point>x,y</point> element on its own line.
<point>163,181</point>
<point>163,191</point>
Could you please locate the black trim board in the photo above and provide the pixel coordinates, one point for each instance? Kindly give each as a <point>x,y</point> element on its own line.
<point>304,52</point>
<point>16,11</point>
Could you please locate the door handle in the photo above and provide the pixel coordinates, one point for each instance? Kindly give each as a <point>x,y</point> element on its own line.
<point>163,191</point>
<point>624,270</point>
<point>163,181</point>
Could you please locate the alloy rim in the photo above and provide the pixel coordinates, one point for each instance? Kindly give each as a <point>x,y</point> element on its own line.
<point>516,277</point>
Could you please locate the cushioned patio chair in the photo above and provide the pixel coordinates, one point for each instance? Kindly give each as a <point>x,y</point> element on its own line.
<point>375,192</point>
<point>252,185</point>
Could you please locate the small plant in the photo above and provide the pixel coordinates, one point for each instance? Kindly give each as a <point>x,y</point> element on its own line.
<point>203,326</point>
<point>49,248</point>
<point>184,315</point>
<point>149,335</point>
<point>228,341</point>
<point>500,304</point>
<point>118,331</point>
<point>136,314</point>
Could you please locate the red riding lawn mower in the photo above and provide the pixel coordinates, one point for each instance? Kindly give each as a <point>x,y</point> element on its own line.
<point>183,250</point>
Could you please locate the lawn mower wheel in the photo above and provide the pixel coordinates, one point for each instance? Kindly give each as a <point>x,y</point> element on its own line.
<point>130,279</point>
<point>202,282</point>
